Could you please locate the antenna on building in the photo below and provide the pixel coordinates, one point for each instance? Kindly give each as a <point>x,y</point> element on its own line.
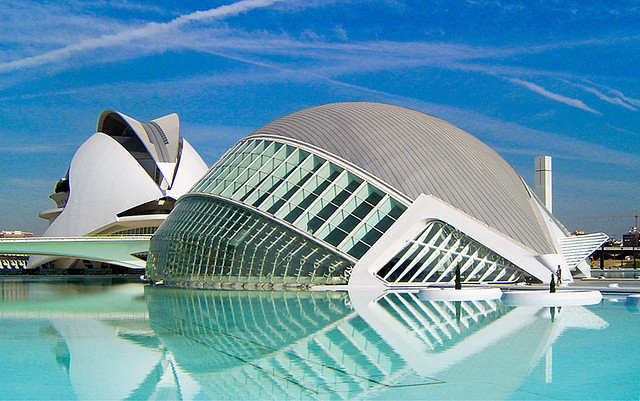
<point>543,181</point>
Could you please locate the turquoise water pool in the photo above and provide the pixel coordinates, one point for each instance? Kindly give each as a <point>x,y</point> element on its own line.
<point>99,339</point>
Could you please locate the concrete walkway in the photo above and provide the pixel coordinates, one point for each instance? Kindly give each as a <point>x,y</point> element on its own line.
<point>605,286</point>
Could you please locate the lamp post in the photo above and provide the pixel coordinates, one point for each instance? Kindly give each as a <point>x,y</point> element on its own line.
<point>635,242</point>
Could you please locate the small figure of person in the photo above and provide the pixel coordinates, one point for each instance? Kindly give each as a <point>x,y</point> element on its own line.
<point>559,274</point>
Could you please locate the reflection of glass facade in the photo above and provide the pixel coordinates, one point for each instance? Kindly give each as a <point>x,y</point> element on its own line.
<point>275,345</point>
<point>248,323</point>
<point>315,345</point>
<point>433,255</point>
<point>440,324</point>
<point>212,243</point>
<point>277,195</point>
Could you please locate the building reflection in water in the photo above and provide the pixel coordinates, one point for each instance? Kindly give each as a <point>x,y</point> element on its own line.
<point>230,344</point>
<point>116,342</point>
<point>69,339</point>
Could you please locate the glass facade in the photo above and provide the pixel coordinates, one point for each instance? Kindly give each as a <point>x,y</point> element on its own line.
<point>135,231</point>
<point>209,242</point>
<point>269,213</point>
<point>336,206</point>
<point>433,255</point>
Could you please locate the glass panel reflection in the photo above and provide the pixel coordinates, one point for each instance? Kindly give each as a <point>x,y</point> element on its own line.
<point>125,341</point>
<point>266,345</point>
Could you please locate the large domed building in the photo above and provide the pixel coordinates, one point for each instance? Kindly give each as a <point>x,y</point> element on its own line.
<point>364,194</point>
<point>122,181</point>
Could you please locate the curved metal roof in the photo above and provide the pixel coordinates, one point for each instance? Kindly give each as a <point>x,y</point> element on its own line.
<point>417,153</point>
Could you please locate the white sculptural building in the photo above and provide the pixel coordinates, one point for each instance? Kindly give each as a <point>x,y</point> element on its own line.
<point>361,194</point>
<point>123,180</point>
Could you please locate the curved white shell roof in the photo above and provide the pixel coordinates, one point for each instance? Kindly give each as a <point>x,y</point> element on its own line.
<point>189,170</point>
<point>417,153</point>
<point>160,137</point>
<point>104,180</point>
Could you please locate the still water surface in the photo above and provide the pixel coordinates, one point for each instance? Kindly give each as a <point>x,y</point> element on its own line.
<point>99,339</point>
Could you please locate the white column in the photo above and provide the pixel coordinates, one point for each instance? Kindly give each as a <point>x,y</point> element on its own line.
<point>543,181</point>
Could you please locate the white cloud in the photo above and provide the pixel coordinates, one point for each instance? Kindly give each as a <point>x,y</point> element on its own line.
<point>340,33</point>
<point>613,100</point>
<point>624,131</point>
<point>625,98</point>
<point>119,5</point>
<point>308,35</point>
<point>122,37</point>
<point>554,96</point>
<point>314,55</point>
<point>506,136</point>
<point>30,28</point>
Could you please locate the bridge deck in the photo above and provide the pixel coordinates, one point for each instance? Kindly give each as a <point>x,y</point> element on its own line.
<point>116,250</point>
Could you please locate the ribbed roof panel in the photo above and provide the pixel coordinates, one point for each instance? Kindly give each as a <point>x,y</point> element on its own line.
<point>418,153</point>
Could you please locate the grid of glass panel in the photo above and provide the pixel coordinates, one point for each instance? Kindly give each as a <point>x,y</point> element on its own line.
<point>440,324</point>
<point>432,257</point>
<point>274,345</point>
<point>135,231</point>
<point>208,243</point>
<point>305,190</point>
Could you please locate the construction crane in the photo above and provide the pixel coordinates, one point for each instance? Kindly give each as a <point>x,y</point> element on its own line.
<point>635,229</point>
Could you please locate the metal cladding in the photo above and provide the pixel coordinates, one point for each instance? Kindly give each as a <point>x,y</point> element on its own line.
<point>416,153</point>
<point>361,193</point>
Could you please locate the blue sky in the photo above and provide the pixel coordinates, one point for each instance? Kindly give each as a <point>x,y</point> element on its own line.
<point>559,78</point>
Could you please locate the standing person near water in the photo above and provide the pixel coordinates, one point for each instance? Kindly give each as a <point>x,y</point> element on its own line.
<point>559,274</point>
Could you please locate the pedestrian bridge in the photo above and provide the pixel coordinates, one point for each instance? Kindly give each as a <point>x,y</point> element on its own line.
<point>117,250</point>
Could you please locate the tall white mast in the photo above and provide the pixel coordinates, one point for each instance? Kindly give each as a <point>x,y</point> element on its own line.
<point>543,181</point>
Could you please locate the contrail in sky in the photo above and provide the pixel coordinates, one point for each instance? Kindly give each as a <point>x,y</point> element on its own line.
<point>613,100</point>
<point>148,30</point>
<point>554,96</point>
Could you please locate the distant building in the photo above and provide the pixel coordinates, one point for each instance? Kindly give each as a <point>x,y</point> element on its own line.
<point>630,238</point>
<point>15,234</point>
<point>123,180</point>
<point>13,262</point>
<point>361,194</point>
